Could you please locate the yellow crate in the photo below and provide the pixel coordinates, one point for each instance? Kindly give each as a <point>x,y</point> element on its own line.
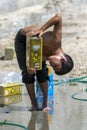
<point>10,100</point>
<point>9,89</point>
<point>34,52</point>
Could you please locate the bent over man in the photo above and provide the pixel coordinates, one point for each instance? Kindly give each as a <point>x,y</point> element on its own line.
<point>52,51</point>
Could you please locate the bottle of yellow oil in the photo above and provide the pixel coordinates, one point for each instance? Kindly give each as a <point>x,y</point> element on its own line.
<point>34,52</point>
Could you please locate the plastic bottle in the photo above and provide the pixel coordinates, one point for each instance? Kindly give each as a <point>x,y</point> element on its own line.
<point>51,93</point>
<point>11,77</point>
<point>63,81</point>
<point>39,95</point>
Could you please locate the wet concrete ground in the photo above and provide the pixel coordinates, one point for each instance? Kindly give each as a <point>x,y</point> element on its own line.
<point>68,113</point>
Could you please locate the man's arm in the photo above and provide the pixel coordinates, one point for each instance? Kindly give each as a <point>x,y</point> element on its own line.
<point>55,21</point>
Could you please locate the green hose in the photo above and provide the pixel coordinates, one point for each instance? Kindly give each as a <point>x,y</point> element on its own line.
<point>71,80</point>
<point>73,96</point>
<point>77,79</point>
<point>56,82</point>
<point>13,124</point>
<point>80,79</point>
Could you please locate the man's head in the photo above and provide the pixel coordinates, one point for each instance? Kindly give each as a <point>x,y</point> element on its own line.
<point>61,65</point>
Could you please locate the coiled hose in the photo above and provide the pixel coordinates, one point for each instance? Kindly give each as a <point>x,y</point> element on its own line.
<point>71,80</point>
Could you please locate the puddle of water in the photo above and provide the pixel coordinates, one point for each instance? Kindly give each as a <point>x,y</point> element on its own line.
<point>66,113</point>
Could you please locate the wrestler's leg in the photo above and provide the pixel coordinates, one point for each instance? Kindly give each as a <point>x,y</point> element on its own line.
<point>20,49</point>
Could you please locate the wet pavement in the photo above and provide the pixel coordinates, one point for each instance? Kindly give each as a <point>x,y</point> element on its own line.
<point>67,113</point>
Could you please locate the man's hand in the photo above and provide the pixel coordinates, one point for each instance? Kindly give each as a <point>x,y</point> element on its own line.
<point>31,70</point>
<point>38,32</point>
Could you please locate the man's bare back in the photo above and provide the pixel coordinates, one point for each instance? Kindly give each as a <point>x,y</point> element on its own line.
<point>50,44</point>
<point>51,41</point>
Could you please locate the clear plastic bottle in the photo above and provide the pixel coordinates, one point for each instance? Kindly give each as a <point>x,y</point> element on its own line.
<point>11,77</point>
<point>39,95</point>
<point>63,81</point>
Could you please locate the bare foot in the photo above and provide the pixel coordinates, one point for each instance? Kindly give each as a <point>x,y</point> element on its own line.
<point>46,109</point>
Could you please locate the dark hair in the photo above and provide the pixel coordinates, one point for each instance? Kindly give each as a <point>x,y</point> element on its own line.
<point>66,66</point>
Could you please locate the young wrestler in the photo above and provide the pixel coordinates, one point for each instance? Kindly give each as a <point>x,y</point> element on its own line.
<point>52,51</point>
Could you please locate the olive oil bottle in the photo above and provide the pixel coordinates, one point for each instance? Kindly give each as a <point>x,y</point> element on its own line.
<point>34,52</point>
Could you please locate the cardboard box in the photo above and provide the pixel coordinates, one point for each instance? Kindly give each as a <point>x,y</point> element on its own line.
<point>10,89</point>
<point>34,52</point>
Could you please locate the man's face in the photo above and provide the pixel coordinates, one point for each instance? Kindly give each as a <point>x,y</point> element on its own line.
<point>55,62</point>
